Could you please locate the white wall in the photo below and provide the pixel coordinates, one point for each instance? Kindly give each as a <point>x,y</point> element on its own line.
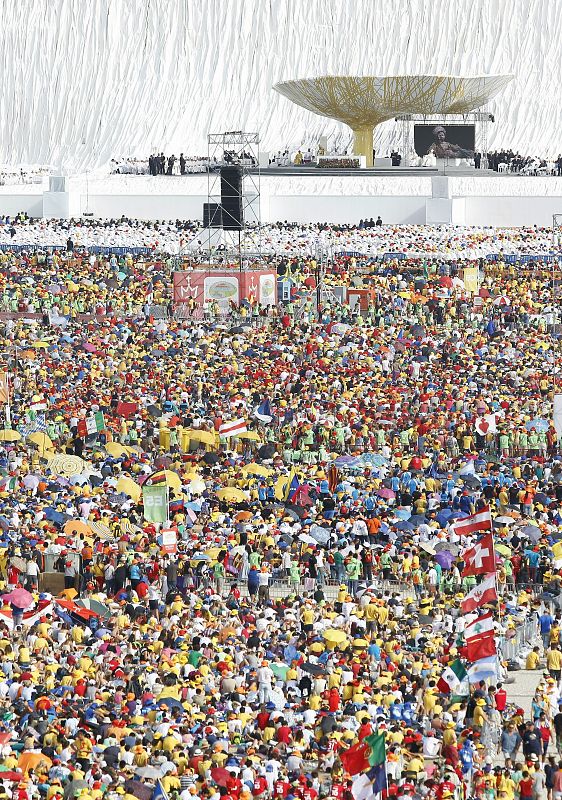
<point>145,206</point>
<point>506,211</point>
<point>324,208</point>
<point>13,203</point>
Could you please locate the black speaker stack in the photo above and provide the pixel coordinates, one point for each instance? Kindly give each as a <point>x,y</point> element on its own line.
<point>229,214</point>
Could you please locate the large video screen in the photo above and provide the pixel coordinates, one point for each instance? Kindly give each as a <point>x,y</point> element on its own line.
<point>444,141</point>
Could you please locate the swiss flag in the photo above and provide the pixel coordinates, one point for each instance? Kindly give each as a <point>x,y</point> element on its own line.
<point>480,559</point>
<point>482,646</point>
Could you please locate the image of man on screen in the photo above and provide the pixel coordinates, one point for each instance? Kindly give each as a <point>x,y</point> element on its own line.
<point>441,148</point>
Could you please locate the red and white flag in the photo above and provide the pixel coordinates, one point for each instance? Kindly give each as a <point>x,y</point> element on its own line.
<point>482,646</point>
<point>478,627</point>
<point>484,593</point>
<point>481,521</point>
<point>233,428</point>
<point>480,559</point>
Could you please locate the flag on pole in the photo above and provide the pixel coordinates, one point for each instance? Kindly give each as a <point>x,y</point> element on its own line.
<point>479,647</point>
<point>377,748</point>
<point>479,560</point>
<point>233,427</point>
<point>354,759</point>
<point>37,425</point>
<point>479,626</point>
<point>484,593</point>
<point>454,678</point>
<point>483,669</point>
<point>155,502</point>
<point>293,485</point>
<point>159,792</point>
<point>481,521</point>
<point>263,412</point>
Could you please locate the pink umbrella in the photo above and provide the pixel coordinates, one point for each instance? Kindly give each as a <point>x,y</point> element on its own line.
<point>388,494</point>
<point>20,598</point>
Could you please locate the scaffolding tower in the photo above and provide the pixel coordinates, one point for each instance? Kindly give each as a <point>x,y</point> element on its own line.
<point>234,149</point>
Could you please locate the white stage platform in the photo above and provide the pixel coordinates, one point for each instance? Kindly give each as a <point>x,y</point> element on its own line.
<point>497,200</point>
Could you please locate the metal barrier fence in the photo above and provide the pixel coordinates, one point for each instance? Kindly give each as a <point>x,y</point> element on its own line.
<point>526,636</point>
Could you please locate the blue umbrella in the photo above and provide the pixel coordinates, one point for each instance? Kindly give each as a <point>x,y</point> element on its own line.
<point>418,519</point>
<point>402,513</point>
<point>539,424</point>
<point>404,525</point>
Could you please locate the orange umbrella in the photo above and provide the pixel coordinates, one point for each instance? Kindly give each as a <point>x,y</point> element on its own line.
<point>29,761</point>
<point>74,526</point>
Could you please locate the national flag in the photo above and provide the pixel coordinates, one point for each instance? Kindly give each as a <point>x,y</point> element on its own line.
<point>355,759</point>
<point>289,416</point>
<point>233,427</point>
<point>37,425</point>
<point>263,412</point>
<point>454,678</point>
<point>480,559</point>
<point>481,521</point>
<point>484,593</point>
<point>378,776</point>
<point>292,488</point>
<point>478,647</point>
<point>483,669</point>
<point>159,792</point>
<point>377,748</point>
<point>92,424</point>
<point>481,625</point>
<point>125,409</point>
<point>367,785</point>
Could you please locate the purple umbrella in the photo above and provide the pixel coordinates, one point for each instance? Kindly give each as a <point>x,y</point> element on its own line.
<point>445,558</point>
<point>388,494</point>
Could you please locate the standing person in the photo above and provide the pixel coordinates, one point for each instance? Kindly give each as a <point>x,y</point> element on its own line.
<point>559,165</point>
<point>69,575</point>
<point>554,661</point>
<point>182,164</point>
<point>532,744</point>
<point>253,583</point>
<point>265,680</point>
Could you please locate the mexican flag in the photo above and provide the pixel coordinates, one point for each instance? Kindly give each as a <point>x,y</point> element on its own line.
<point>454,679</point>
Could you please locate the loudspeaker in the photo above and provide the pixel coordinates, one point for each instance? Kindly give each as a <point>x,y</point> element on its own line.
<point>212,215</point>
<point>231,198</point>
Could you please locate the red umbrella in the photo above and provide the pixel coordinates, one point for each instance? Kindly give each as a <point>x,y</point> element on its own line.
<point>220,775</point>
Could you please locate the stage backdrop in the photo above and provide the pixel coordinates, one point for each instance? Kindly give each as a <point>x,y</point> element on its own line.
<point>444,141</point>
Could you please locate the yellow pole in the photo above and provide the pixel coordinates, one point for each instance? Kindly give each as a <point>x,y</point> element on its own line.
<point>363,143</point>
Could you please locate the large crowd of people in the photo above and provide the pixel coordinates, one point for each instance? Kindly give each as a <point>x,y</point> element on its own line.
<point>233,557</point>
<point>281,239</point>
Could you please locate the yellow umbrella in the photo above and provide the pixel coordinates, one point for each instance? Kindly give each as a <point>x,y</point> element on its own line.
<point>252,436</point>
<point>10,436</point>
<point>360,643</point>
<point>115,449</point>
<point>503,550</point>
<point>207,437</point>
<point>41,439</point>
<point>129,487</point>
<point>39,345</point>
<point>257,469</point>
<point>334,635</point>
<point>231,495</point>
